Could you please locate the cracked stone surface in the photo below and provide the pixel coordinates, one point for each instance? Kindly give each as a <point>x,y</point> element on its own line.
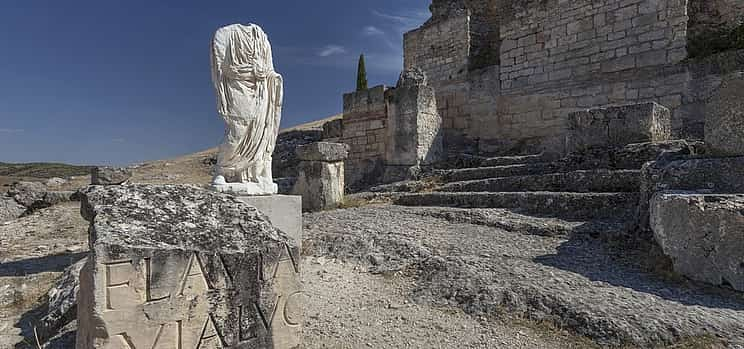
<point>575,282</point>
<point>179,266</point>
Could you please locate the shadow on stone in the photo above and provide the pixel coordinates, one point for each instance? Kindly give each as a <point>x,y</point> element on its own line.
<point>55,263</point>
<point>601,262</point>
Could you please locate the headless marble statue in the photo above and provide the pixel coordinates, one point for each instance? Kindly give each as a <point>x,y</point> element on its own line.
<point>249,99</point>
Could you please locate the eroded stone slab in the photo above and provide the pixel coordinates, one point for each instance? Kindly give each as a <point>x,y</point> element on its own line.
<point>613,127</point>
<point>181,267</point>
<point>703,234</point>
<point>323,151</point>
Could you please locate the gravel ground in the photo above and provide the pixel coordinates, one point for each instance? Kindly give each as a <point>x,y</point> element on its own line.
<point>577,283</point>
<point>348,307</point>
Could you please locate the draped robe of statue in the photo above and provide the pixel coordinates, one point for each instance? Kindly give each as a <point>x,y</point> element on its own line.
<point>249,99</point>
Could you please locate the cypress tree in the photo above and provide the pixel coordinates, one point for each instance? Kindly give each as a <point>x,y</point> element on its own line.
<point>361,75</point>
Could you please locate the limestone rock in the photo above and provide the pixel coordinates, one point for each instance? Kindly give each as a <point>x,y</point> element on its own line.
<point>109,175</point>
<point>284,160</point>
<point>283,211</point>
<point>724,118</point>
<point>181,267</point>
<point>321,185</point>
<point>710,175</point>
<point>29,194</point>
<point>703,234</point>
<point>61,306</point>
<point>323,151</point>
<point>10,209</point>
<point>414,123</point>
<point>614,127</point>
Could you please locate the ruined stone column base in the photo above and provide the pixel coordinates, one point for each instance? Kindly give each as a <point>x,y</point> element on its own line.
<point>284,212</point>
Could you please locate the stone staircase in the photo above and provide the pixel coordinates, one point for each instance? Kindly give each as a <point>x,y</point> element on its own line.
<point>598,185</point>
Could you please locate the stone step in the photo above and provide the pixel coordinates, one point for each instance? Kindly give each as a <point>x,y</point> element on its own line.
<point>583,181</point>
<point>469,174</point>
<point>560,204</point>
<point>519,160</point>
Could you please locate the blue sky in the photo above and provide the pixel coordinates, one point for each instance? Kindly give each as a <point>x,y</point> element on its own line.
<point>123,81</point>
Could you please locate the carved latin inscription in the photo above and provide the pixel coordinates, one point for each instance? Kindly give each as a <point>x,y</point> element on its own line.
<point>185,301</point>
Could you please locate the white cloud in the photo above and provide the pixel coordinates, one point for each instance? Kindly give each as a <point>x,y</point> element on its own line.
<point>372,31</point>
<point>11,130</point>
<point>331,50</point>
<point>405,20</point>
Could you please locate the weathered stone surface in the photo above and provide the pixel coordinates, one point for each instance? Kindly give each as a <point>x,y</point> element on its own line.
<point>632,156</point>
<point>618,126</point>
<point>28,194</point>
<point>323,151</point>
<point>615,206</point>
<point>109,175</point>
<point>607,181</point>
<point>61,307</point>
<point>283,211</point>
<point>414,124</point>
<point>321,185</point>
<point>709,175</point>
<point>703,234</point>
<point>181,267</point>
<point>284,160</point>
<point>10,209</point>
<point>724,118</point>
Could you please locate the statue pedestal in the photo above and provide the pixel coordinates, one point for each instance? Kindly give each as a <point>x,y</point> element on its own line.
<point>268,188</point>
<point>284,212</point>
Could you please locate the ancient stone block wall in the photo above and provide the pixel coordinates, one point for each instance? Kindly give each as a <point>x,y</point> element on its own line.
<point>562,56</point>
<point>442,49</point>
<point>365,132</point>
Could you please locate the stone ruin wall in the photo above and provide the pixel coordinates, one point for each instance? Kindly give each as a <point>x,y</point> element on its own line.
<point>442,49</point>
<point>365,131</point>
<point>555,57</point>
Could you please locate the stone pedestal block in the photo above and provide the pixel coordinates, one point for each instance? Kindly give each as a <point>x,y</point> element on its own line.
<point>321,175</point>
<point>614,127</point>
<point>283,211</point>
<point>724,118</point>
<point>323,151</point>
<point>703,234</point>
<point>414,123</point>
<point>182,267</point>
